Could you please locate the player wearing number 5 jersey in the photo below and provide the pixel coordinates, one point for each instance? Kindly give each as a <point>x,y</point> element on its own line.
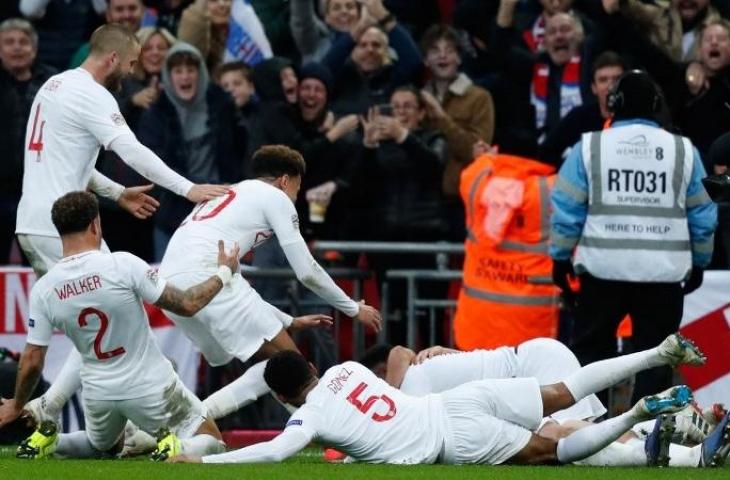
<point>486,421</point>
<point>632,219</point>
<point>72,116</point>
<point>95,298</point>
<point>238,322</point>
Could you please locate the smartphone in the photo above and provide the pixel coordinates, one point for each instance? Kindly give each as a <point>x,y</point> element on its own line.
<point>384,109</point>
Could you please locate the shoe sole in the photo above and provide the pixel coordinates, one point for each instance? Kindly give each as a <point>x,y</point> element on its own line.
<point>679,397</point>
<point>696,356</point>
<point>667,426</point>
<point>718,458</point>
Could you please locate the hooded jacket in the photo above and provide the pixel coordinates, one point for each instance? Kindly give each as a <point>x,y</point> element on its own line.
<point>195,138</point>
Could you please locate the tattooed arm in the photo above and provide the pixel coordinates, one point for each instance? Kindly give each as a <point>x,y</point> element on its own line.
<point>192,300</point>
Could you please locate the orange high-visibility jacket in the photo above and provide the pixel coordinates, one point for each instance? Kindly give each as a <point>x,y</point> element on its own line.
<point>507,295</point>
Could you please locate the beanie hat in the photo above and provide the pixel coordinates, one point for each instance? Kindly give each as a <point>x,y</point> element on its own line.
<point>319,72</point>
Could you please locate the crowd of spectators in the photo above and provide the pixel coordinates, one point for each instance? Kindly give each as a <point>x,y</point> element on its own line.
<point>385,99</point>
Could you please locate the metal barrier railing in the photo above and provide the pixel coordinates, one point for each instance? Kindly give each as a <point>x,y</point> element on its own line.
<point>412,277</point>
<point>295,303</point>
<point>441,250</point>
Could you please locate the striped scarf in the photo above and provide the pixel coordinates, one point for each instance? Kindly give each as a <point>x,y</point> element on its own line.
<point>570,96</point>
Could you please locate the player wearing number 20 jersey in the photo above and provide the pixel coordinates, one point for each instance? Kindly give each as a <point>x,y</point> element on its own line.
<point>238,320</point>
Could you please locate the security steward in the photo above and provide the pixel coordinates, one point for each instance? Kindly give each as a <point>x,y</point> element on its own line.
<point>632,219</point>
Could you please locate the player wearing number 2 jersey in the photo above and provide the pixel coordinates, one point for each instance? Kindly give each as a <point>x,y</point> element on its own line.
<point>238,322</point>
<point>486,421</point>
<point>95,298</point>
<point>72,115</point>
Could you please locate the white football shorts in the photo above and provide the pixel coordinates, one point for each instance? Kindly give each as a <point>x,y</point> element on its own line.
<point>234,324</point>
<point>549,361</point>
<point>490,421</point>
<point>173,407</point>
<point>44,252</point>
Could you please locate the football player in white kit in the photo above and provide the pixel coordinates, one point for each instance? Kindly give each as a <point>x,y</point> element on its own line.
<point>238,322</point>
<point>485,422</point>
<point>96,298</point>
<point>72,116</point>
<point>437,369</point>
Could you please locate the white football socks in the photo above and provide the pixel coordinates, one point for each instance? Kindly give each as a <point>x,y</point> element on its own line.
<point>76,445</point>
<point>632,454</point>
<point>617,455</point>
<point>589,440</point>
<point>239,393</point>
<point>63,387</point>
<point>202,444</point>
<point>681,456</point>
<point>598,376</point>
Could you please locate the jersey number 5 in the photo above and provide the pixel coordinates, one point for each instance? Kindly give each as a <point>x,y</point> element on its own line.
<point>36,140</point>
<point>365,406</point>
<point>104,321</point>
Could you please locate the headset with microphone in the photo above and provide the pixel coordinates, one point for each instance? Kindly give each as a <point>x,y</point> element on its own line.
<point>616,100</point>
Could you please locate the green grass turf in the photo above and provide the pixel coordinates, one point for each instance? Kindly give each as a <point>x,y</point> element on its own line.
<point>309,465</point>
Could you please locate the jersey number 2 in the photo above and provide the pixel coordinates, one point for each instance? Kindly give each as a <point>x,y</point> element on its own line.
<point>365,406</point>
<point>36,141</point>
<point>104,321</point>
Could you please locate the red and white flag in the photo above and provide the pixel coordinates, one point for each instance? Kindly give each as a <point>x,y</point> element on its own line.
<point>706,321</point>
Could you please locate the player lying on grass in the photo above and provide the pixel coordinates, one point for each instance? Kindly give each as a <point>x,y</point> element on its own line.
<point>545,359</point>
<point>238,322</point>
<point>438,369</point>
<point>96,298</point>
<point>485,422</point>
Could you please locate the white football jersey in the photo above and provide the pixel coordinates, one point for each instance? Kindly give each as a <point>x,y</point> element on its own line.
<point>250,213</point>
<point>445,372</point>
<point>356,412</point>
<point>71,117</point>
<point>96,299</point>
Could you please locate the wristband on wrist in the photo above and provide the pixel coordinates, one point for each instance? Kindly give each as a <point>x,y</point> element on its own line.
<point>224,273</point>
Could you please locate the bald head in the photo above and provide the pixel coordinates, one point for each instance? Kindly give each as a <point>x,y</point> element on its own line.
<point>112,38</point>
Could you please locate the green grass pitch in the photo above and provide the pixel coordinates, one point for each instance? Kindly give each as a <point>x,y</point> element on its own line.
<point>309,465</point>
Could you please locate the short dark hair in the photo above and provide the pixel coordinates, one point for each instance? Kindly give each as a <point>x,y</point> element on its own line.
<point>440,32</point>
<point>112,38</point>
<point>608,58</point>
<point>237,66</point>
<point>183,57</point>
<point>411,89</point>
<point>375,355</point>
<point>287,373</point>
<point>74,212</point>
<point>277,160</point>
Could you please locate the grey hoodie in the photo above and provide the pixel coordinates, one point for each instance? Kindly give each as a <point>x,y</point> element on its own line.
<point>193,116</point>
